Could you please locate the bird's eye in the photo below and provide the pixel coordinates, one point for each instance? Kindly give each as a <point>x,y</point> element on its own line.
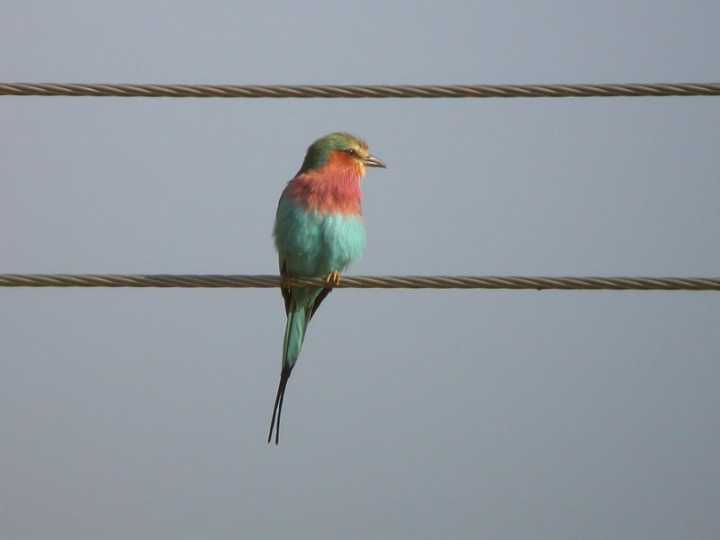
<point>350,151</point>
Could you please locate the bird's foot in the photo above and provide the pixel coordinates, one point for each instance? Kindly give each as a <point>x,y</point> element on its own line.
<point>333,279</point>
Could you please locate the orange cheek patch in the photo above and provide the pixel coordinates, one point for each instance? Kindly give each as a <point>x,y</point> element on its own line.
<point>340,161</point>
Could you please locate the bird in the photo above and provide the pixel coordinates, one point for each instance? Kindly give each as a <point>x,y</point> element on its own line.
<point>318,232</point>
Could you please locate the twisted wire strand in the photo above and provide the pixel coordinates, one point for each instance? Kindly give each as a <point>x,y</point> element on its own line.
<point>360,91</point>
<point>364,282</point>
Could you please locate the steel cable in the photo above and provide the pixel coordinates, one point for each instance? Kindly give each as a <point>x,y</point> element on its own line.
<point>364,282</point>
<point>361,91</point>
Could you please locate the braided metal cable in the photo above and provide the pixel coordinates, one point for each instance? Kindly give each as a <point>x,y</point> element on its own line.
<point>364,282</point>
<point>360,91</point>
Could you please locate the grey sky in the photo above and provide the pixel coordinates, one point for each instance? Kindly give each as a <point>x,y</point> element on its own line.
<point>425,414</point>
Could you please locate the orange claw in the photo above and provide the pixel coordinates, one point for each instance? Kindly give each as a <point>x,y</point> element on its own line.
<point>333,279</point>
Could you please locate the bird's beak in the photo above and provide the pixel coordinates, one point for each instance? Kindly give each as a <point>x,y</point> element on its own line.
<point>372,161</point>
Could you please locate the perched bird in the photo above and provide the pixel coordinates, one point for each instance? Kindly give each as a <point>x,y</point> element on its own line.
<point>318,232</point>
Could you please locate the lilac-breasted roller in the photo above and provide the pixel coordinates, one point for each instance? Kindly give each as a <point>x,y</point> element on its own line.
<point>318,232</point>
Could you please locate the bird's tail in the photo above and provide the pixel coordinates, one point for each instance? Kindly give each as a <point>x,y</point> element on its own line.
<point>294,337</point>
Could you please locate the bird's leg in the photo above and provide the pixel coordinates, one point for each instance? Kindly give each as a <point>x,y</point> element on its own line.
<point>333,279</point>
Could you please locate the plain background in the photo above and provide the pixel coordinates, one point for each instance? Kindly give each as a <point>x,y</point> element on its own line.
<point>412,414</point>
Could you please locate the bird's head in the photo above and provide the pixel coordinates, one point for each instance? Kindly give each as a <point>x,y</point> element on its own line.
<point>341,148</point>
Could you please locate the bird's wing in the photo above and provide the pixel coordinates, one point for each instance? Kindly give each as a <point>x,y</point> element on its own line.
<point>320,297</point>
<point>286,292</point>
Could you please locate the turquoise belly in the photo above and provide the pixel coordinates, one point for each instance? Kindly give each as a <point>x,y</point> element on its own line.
<point>315,244</point>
